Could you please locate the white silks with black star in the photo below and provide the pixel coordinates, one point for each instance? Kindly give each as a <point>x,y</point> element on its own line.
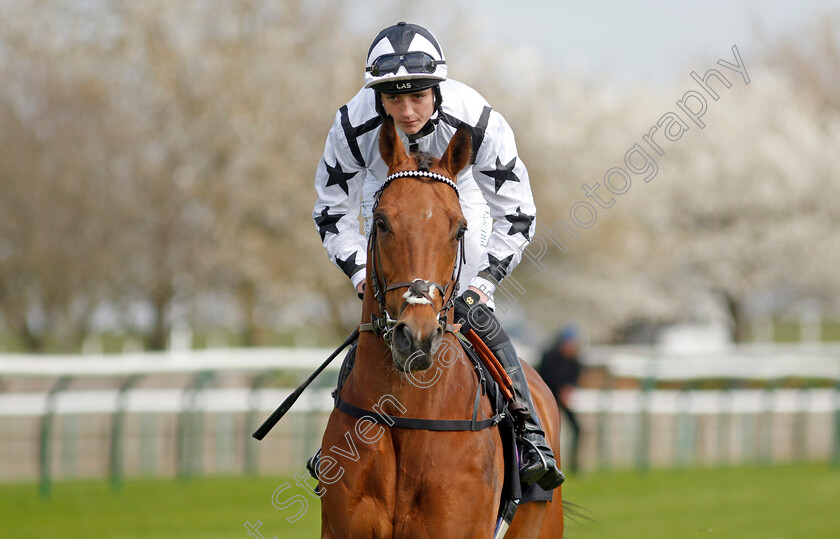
<point>352,168</point>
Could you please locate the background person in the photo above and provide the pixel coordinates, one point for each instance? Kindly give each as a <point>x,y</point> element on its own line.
<point>560,368</point>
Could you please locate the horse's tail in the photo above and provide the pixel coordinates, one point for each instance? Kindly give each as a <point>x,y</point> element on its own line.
<point>577,514</point>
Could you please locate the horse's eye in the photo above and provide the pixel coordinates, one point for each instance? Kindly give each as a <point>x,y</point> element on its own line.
<point>380,224</point>
<point>460,234</point>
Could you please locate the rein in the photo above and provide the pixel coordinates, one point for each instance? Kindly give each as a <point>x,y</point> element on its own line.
<point>419,290</point>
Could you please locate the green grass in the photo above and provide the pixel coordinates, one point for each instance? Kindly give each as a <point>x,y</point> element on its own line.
<point>200,509</point>
<point>784,502</point>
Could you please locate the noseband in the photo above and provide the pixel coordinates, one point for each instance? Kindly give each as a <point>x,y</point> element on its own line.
<point>420,291</point>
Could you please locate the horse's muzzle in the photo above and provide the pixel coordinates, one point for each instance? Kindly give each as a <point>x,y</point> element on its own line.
<point>412,353</point>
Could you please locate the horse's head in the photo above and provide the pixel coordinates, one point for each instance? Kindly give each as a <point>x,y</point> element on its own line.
<point>417,229</point>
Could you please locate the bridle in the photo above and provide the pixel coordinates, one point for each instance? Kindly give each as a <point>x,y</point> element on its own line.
<point>419,290</point>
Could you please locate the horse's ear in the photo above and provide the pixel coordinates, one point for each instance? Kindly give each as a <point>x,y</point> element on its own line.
<point>458,153</point>
<point>391,147</point>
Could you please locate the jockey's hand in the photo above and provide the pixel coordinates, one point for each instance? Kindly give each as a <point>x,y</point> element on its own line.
<point>481,295</point>
<point>465,303</point>
<point>472,312</point>
<point>360,288</point>
<point>469,300</point>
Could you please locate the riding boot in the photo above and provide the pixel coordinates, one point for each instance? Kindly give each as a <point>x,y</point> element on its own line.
<point>343,374</point>
<point>538,463</point>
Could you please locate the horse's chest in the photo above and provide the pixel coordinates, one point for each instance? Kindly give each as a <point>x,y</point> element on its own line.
<point>412,483</point>
<point>424,484</point>
<point>447,485</point>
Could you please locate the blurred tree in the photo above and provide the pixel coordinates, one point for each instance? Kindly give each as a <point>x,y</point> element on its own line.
<point>810,56</point>
<point>55,209</point>
<point>730,207</point>
<point>570,130</point>
<point>157,159</point>
<point>199,128</point>
<point>748,212</point>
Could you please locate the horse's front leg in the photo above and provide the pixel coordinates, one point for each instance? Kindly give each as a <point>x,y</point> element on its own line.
<point>326,530</point>
<point>359,497</point>
<point>363,517</point>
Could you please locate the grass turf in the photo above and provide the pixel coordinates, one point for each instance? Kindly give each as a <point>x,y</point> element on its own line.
<point>783,502</point>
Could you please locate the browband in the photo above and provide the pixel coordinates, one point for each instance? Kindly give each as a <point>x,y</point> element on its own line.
<point>418,174</point>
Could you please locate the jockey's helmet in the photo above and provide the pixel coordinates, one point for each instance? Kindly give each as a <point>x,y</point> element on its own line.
<point>404,58</point>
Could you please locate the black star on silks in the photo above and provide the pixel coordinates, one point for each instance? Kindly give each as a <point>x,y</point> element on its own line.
<point>520,223</point>
<point>498,268</point>
<point>326,222</point>
<point>338,176</point>
<point>349,266</point>
<point>503,173</point>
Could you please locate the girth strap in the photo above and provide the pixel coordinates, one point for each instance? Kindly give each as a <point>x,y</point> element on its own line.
<point>419,424</point>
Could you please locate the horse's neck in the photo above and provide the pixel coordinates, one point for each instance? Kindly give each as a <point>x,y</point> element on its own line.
<point>442,390</point>
<point>375,377</point>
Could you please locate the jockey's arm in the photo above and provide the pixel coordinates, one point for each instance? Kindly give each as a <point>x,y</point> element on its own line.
<point>338,182</point>
<point>503,179</point>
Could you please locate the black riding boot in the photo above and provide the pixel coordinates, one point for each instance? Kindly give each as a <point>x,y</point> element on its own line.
<point>343,374</point>
<point>538,463</point>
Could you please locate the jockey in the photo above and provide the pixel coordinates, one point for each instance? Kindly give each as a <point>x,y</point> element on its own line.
<point>406,78</point>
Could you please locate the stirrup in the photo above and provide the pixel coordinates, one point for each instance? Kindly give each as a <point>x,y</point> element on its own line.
<point>543,461</point>
<point>551,476</point>
<point>312,464</point>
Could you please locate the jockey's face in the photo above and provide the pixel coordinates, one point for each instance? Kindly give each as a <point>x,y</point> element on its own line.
<point>410,111</point>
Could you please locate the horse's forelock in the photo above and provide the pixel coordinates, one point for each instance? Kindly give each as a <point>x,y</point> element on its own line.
<point>424,160</point>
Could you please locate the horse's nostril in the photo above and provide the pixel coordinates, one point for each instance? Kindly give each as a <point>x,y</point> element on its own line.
<point>406,331</point>
<point>403,338</point>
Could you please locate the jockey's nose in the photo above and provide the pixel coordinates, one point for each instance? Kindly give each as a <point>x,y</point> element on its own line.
<point>405,107</point>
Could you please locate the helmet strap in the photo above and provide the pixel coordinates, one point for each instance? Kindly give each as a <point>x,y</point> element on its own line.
<point>380,108</point>
<point>438,97</point>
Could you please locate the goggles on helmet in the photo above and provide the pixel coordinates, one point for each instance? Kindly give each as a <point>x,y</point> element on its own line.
<point>414,62</point>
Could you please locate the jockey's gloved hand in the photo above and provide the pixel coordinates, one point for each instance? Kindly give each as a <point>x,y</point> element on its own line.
<point>466,302</point>
<point>471,313</point>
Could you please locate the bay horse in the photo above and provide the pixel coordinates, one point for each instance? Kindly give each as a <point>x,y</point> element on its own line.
<point>381,480</point>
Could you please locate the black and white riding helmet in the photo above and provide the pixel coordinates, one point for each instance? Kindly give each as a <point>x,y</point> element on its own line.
<point>404,58</point>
